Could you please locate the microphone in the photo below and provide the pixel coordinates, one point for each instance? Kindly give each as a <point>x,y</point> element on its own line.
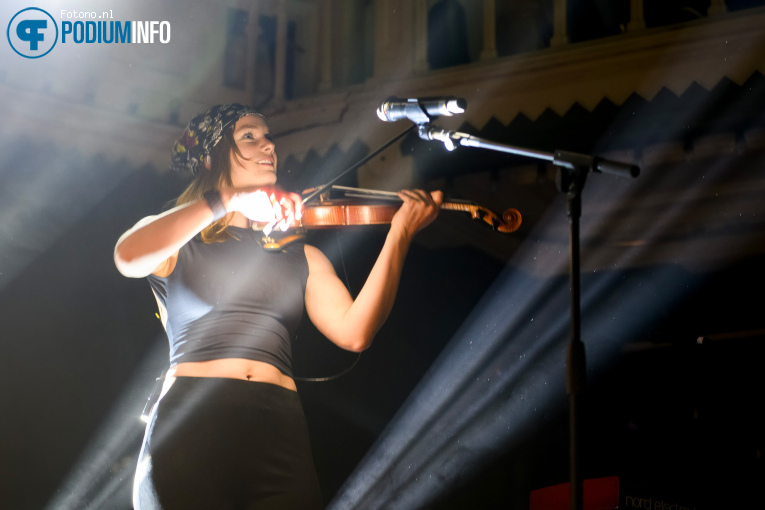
<point>420,111</point>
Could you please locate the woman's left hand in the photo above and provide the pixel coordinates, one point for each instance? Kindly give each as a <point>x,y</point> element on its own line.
<point>418,211</point>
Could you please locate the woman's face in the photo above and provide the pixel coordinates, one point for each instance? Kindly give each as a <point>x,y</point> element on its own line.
<point>258,165</point>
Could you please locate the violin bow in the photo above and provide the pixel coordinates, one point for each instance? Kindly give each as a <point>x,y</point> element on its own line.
<point>312,192</point>
<point>510,220</point>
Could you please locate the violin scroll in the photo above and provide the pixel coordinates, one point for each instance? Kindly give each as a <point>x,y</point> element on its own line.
<point>509,222</point>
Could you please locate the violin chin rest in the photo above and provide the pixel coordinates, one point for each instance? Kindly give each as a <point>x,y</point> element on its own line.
<point>271,244</point>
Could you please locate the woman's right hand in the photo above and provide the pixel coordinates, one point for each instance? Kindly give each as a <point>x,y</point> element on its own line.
<point>271,205</point>
<point>151,245</point>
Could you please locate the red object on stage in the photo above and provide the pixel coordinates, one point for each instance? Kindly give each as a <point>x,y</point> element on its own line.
<point>598,494</point>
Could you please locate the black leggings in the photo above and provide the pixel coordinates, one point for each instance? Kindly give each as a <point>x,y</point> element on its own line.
<point>215,443</point>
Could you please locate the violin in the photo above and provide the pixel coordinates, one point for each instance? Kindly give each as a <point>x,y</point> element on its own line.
<point>373,207</point>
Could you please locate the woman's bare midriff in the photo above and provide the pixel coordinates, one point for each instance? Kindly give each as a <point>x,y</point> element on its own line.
<point>234,368</point>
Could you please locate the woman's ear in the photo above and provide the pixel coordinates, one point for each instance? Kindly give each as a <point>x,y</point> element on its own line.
<point>208,162</point>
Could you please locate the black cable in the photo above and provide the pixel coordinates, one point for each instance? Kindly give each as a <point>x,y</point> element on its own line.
<point>331,377</point>
<point>358,357</point>
<point>315,191</point>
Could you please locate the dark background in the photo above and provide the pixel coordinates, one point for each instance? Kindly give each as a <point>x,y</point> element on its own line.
<point>666,412</point>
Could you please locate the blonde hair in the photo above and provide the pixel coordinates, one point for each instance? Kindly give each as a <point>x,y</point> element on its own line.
<point>218,175</point>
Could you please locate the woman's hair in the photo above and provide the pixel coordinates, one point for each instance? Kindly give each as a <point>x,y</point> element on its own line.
<point>217,176</point>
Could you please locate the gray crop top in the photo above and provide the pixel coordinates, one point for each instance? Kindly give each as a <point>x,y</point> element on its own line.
<point>234,300</point>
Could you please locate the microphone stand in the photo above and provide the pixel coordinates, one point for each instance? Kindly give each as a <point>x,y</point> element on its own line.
<point>572,171</point>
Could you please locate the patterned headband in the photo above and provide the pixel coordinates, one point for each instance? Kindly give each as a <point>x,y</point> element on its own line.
<point>203,133</point>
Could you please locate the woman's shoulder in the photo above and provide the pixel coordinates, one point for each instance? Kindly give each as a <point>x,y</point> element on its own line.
<point>312,251</point>
<point>317,261</point>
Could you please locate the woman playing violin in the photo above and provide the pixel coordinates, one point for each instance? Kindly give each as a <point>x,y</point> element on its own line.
<point>229,431</point>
